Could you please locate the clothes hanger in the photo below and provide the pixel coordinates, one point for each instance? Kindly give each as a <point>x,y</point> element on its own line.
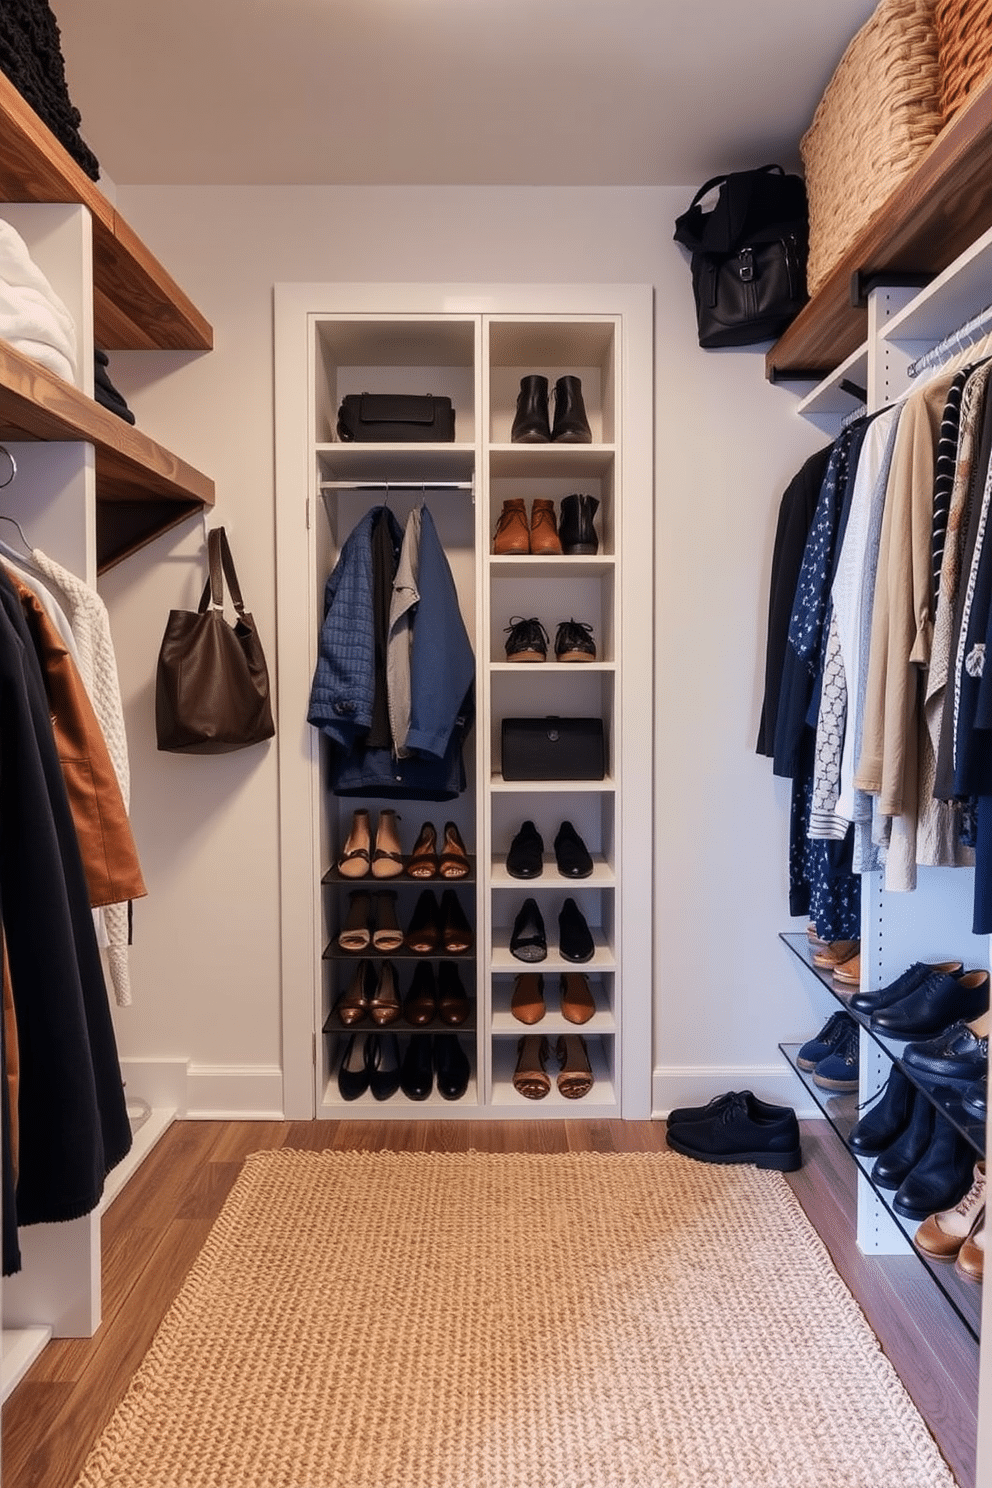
<point>3,484</point>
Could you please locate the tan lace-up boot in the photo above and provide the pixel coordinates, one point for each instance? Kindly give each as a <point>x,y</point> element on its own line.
<point>544,528</point>
<point>512,532</point>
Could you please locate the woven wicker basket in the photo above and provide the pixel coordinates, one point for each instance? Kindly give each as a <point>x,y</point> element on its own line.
<point>964,48</point>
<point>880,112</point>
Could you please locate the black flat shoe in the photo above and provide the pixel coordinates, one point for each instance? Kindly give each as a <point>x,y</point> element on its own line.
<point>384,1065</point>
<point>353,1071</point>
<point>571,853</point>
<point>526,856</point>
<point>417,1069</point>
<point>575,940</point>
<point>451,1066</point>
<point>528,941</point>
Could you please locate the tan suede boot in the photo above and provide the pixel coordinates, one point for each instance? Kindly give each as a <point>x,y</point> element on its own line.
<point>544,537</point>
<point>512,532</point>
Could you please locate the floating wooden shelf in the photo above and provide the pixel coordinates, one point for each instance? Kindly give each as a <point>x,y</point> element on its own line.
<point>142,489</point>
<point>137,305</point>
<point>935,212</point>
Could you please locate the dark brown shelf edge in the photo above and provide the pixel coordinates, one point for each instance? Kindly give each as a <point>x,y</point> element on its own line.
<point>935,212</point>
<point>138,306</point>
<point>842,1112</point>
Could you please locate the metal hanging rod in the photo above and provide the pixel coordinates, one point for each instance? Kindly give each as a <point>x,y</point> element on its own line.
<point>342,485</point>
<point>966,335</point>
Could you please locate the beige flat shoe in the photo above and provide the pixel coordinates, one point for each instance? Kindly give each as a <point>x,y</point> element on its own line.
<point>354,934</point>
<point>355,856</point>
<point>387,860</point>
<point>527,1002</point>
<point>387,935</point>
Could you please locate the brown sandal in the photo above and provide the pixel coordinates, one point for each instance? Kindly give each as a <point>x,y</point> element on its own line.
<point>423,860</point>
<point>575,1079</point>
<point>529,1077</point>
<point>453,862</point>
<point>354,934</point>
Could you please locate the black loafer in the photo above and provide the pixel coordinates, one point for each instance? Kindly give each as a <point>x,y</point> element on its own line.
<point>353,1071</point>
<point>417,1069</point>
<point>528,941</point>
<point>526,856</point>
<point>575,940</point>
<point>935,1004</point>
<point>571,853</point>
<point>451,1066</point>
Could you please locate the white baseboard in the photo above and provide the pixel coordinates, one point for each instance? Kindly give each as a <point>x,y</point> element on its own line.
<point>227,1092</point>
<point>159,1083</point>
<point>681,1086</point>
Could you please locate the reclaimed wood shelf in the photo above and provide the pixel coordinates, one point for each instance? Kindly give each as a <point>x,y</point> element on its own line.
<point>935,212</point>
<point>141,489</point>
<point>138,306</point>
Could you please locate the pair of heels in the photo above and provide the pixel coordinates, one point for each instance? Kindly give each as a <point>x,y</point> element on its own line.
<point>373,992</point>
<point>575,1078</point>
<point>438,926</point>
<point>358,857</point>
<point>371,1061</point>
<point>371,920</point>
<point>426,862</point>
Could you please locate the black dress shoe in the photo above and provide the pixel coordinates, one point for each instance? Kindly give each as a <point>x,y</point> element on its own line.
<point>880,1126</point>
<point>353,1071</point>
<point>451,1066</point>
<point>760,1110</point>
<point>575,940</point>
<point>941,1178</point>
<point>384,1065</point>
<point>741,1130</point>
<point>575,524</point>
<point>528,941</point>
<point>526,856</point>
<point>571,425</point>
<point>958,1055</point>
<point>908,981</point>
<point>526,640</point>
<point>571,853</point>
<point>901,1156</point>
<point>417,1069</point>
<point>531,424</point>
<point>935,1004</point>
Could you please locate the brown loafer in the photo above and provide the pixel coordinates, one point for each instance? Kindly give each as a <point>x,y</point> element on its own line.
<point>577,1005</point>
<point>836,953</point>
<point>848,974</point>
<point>527,1002</point>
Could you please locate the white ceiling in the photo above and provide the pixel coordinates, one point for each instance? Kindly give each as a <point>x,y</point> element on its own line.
<point>425,92</point>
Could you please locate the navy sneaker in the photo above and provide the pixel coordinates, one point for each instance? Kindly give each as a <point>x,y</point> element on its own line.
<point>839,1070</point>
<point>738,1132</point>
<point>826,1040</point>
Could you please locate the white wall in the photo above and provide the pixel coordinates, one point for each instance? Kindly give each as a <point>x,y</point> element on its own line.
<point>205,962</point>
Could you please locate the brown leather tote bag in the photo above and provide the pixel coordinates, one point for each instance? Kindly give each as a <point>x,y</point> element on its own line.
<point>212,684</point>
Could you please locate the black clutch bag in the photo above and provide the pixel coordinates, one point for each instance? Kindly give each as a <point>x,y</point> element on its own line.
<point>388,418</point>
<point>553,749</point>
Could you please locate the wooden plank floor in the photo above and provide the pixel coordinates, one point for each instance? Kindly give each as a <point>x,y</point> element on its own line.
<point>154,1230</point>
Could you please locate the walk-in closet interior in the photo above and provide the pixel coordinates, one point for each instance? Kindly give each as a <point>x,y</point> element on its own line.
<point>288,214</point>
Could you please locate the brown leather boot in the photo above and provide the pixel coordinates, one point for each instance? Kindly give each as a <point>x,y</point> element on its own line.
<point>512,532</point>
<point>543,528</point>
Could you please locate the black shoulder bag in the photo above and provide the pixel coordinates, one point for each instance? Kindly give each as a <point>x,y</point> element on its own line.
<point>748,255</point>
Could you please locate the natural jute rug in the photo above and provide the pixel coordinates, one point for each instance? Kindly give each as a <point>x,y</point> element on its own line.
<point>439,1320</point>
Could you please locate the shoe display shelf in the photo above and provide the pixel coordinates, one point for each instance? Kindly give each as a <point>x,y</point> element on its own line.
<point>474,345</point>
<point>89,490</point>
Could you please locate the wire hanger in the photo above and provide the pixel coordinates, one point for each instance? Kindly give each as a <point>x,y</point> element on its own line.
<point>3,484</point>
<point>955,343</point>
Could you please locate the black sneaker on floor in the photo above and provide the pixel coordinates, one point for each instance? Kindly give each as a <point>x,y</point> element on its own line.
<point>738,1132</point>
<point>526,856</point>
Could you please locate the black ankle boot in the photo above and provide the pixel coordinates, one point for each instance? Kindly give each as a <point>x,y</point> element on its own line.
<point>575,527</point>
<point>531,424</point>
<point>940,1179</point>
<point>898,1160</point>
<point>571,425</point>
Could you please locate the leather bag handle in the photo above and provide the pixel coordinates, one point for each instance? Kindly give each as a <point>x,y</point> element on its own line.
<point>221,563</point>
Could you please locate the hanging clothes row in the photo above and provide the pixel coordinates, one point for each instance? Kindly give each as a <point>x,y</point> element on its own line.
<point>68,866</point>
<point>393,687</point>
<point>875,704</point>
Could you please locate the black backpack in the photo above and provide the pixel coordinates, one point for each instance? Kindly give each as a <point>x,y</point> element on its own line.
<point>748,255</point>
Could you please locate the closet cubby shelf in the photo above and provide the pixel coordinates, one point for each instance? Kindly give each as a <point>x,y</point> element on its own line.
<point>842,1112</point>
<point>939,207</point>
<point>142,489</point>
<point>572,461</point>
<point>553,787</point>
<point>603,958</point>
<point>567,566</point>
<point>137,305</point>
<point>602,874</point>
